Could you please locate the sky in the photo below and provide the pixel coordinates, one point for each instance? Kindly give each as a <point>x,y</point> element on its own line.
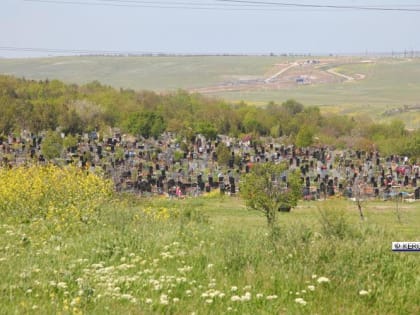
<point>35,28</point>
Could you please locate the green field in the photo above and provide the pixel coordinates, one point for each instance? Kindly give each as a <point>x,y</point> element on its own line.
<point>213,256</point>
<point>387,83</point>
<point>151,73</point>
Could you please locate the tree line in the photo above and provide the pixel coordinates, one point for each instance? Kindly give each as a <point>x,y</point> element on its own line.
<point>40,106</point>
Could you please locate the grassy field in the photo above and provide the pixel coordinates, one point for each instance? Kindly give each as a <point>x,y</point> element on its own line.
<point>152,73</point>
<point>387,83</point>
<point>213,256</point>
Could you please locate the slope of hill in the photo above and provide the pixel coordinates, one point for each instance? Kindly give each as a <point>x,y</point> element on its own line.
<point>348,85</point>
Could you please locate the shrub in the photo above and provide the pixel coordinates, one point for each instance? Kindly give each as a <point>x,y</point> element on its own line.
<point>51,194</point>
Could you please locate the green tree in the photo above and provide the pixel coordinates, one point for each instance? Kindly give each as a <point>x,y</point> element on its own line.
<point>292,107</point>
<point>305,137</point>
<point>52,145</point>
<point>207,130</point>
<point>265,190</point>
<point>71,122</point>
<point>223,154</point>
<point>145,124</point>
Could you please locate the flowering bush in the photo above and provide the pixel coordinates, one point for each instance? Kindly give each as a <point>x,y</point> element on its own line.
<point>51,193</point>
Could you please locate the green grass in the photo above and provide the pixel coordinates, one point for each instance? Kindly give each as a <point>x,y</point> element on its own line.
<point>152,73</point>
<point>212,254</point>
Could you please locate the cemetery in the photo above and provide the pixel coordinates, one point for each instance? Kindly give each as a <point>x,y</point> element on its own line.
<point>148,167</point>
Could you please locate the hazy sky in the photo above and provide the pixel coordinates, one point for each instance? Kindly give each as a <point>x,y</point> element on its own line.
<point>218,27</point>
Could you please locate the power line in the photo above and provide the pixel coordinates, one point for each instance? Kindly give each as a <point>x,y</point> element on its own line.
<point>322,6</point>
<point>159,5</point>
<point>77,51</point>
<point>241,5</point>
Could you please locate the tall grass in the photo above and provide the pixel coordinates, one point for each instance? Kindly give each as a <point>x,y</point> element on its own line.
<point>137,261</point>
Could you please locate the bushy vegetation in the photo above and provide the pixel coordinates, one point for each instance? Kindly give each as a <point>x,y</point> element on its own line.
<point>47,105</point>
<point>50,197</point>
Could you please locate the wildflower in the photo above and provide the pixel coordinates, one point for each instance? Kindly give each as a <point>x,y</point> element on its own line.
<point>148,301</point>
<point>188,292</point>
<point>126,296</point>
<point>209,266</point>
<point>323,279</point>
<point>247,287</point>
<point>29,291</point>
<point>62,285</point>
<point>235,298</point>
<point>311,287</point>
<point>234,288</point>
<point>221,295</point>
<point>271,297</point>
<point>164,299</point>
<point>246,297</point>
<point>75,302</point>
<point>259,295</point>
<point>300,301</point>
<point>209,301</point>
<point>175,300</point>
<point>363,292</point>
<point>314,276</point>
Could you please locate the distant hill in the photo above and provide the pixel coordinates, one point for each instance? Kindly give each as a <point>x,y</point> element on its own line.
<point>344,84</point>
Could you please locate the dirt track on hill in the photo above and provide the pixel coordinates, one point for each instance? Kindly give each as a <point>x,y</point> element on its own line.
<point>282,76</point>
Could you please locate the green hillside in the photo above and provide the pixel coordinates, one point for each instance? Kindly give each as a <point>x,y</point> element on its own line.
<point>153,73</point>
<point>380,85</point>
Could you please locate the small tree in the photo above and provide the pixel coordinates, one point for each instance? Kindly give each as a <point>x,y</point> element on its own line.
<point>264,189</point>
<point>305,137</point>
<point>52,145</point>
<point>223,154</point>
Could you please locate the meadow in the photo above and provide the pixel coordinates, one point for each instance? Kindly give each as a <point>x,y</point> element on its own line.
<point>207,255</point>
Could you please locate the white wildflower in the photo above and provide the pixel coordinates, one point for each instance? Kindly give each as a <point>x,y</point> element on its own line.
<point>234,288</point>
<point>271,297</point>
<point>164,299</point>
<point>323,279</point>
<point>246,297</point>
<point>363,292</point>
<point>62,285</point>
<point>300,301</point>
<point>311,287</point>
